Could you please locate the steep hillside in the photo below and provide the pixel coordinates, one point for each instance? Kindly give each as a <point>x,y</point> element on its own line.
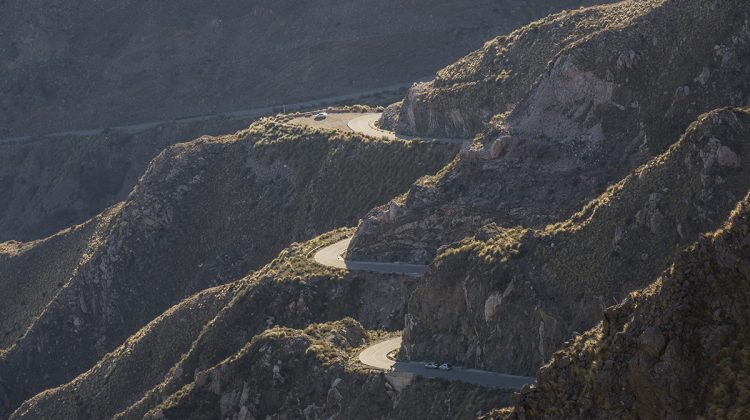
<point>256,343</point>
<point>101,63</point>
<point>609,148</point>
<point>675,349</point>
<point>307,374</point>
<point>489,81</point>
<point>51,183</point>
<point>609,100</point>
<point>205,213</point>
<point>507,298</point>
<point>32,273</point>
<point>135,366</point>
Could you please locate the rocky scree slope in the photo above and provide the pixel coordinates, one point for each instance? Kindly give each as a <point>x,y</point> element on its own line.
<point>205,330</point>
<point>51,183</point>
<point>309,374</point>
<point>205,213</point>
<point>608,101</point>
<point>678,348</point>
<point>505,299</point>
<point>102,63</point>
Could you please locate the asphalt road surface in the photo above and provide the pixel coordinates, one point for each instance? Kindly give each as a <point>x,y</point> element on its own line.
<point>332,256</point>
<point>365,124</point>
<point>376,356</point>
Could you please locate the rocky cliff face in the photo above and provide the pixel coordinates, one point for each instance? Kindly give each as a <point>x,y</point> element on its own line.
<point>675,349</point>
<point>205,213</point>
<point>507,298</point>
<point>605,104</point>
<point>464,96</point>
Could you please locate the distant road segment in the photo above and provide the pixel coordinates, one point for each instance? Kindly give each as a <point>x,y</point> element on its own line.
<point>365,124</point>
<point>239,114</point>
<point>376,356</point>
<point>332,256</point>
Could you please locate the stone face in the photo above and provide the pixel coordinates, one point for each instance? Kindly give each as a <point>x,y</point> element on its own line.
<point>568,125</point>
<point>674,351</point>
<point>492,150</point>
<point>652,341</point>
<point>506,299</point>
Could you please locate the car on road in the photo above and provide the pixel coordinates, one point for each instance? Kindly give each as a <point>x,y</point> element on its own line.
<point>431,365</point>
<point>445,366</point>
<point>320,116</point>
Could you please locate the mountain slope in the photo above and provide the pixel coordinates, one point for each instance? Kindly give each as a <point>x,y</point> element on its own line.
<point>292,291</point>
<point>677,348</point>
<point>280,361</point>
<point>32,273</point>
<point>205,213</point>
<point>52,183</point>
<point>611,140</point>
<point>604,105</point>
<point>505,299</point>
<point>275,342</point>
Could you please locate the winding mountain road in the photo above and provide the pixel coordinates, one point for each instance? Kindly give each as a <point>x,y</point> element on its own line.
<point>376,356</point>
<point>332,256</point>
<point>365,124</point>
<point>240,114</point>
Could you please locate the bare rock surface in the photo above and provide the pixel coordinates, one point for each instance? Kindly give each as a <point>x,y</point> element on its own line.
<point>584,98</point>
<point>674,349</point>
<point>506,299</point>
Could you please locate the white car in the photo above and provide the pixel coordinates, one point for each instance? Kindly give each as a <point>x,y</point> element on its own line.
<point>445,366</point>
<point>430,365</point>
<point>320,116</point>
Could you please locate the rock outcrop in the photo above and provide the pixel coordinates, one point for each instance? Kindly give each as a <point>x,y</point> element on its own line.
<point>505,299</point>
<point>464,96</point>
<point>631,79</point>
<point>675,349</point>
